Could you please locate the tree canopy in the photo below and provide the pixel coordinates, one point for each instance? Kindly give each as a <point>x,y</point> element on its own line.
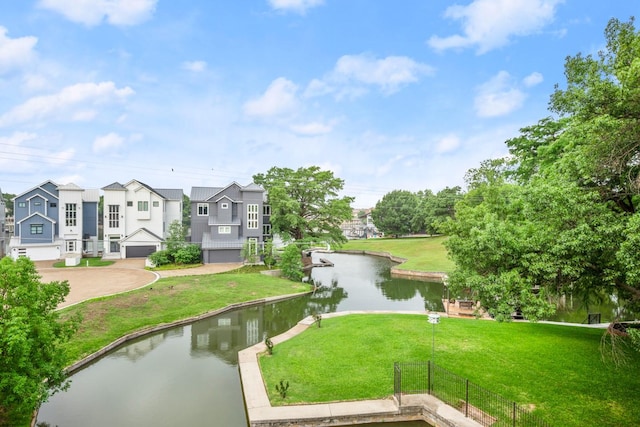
<point>31,335</point>
<point>305,203</point>
<point>559,216</point>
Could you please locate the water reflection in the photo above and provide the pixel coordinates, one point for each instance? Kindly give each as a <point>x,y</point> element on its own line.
<point>188,375</point>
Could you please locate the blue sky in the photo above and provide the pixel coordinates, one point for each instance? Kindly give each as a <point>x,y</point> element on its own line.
<point>402,94</point>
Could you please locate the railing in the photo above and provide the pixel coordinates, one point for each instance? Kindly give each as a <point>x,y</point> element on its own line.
<point>483,406</point>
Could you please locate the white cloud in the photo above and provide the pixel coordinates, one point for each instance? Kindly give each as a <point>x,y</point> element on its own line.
<point>489,24</point>
<point>353,74</point>
<point>533,79</point>
<point>447,144</point>
<point>279,98</point>
<point>194,66</point>
<point>312,128</point>
<point>297,6</point>
<point>498,96</point>
<point>93,12</point>
<point>80,96</point>
<point>107,142</point>
<point>15,52</point>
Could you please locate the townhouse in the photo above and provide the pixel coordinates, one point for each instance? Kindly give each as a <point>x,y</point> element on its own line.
<point>54,221</point>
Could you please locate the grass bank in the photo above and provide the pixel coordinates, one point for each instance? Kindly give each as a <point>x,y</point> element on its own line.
<point>422,253</point>
<point>557,370</point>
<point>167,300</point>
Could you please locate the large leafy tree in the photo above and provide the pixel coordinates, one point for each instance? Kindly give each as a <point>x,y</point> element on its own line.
<point>31,335</point>
<point>394,213</point>
<point>306,203</point>
<point>560,215</point>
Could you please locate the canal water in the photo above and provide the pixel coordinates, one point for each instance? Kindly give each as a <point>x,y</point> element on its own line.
<point>188,375</point>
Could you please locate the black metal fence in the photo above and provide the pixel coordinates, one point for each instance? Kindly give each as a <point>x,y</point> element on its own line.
<point>484,406</point>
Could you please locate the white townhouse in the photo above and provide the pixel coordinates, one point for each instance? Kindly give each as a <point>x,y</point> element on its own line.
<point>136,218</point>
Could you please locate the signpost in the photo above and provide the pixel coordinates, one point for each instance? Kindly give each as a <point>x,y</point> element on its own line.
<point>434,319</point>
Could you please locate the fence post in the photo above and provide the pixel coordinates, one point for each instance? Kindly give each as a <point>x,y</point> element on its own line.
<point>466,399</point>
<point>514,414</point>
<point>429,376</point>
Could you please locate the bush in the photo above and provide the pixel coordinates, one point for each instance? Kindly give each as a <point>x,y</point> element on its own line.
<point>160,258</point>
<point>189,254</point>
<point>291,263</point>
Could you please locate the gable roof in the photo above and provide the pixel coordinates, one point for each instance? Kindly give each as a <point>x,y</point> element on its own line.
<point>46,218</point>
<point>39,186</point>
<point>69,187</point>
<point>145,231</point>
<point>202,194</point>
<point>115,186</point>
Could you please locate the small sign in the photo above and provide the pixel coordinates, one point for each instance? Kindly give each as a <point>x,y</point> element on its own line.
<point>434,318</point>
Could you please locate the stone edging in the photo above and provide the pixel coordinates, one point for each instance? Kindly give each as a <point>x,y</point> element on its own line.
<point>397,272</point>
<point>262,414</point>
<point>122,340</point>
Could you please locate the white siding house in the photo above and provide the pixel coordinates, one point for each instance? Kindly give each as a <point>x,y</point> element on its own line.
<point>136,218</point>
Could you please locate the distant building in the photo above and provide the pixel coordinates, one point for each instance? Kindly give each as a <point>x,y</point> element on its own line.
<point>137,217</point>
<point>225,219</point>
<point>360,226</point>
<point>53,221</point>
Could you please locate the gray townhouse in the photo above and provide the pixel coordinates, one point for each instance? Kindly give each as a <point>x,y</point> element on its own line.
<point>55,221</point>
<point>225,219</point>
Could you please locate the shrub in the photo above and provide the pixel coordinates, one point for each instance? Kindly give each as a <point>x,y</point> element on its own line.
<point>291,263</point>
<point>189,254</point>
<point>160,258</point>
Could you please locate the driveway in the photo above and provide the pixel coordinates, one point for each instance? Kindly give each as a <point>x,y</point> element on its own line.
<point>122,276</point>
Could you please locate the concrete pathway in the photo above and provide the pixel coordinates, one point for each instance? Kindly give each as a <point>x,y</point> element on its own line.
<point>260,412</point>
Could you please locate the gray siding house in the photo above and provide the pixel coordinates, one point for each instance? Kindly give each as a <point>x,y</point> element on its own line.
<point>225,219</point>
<point>55,221</point>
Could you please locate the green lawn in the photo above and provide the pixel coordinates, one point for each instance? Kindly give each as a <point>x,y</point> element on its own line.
<point>422,253</point>
<point>558,370</point>
<point>167,300</point>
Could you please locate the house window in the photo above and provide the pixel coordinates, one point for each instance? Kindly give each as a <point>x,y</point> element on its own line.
<point>37,228</point>
<point>130,203</point>
<point>53,205</point>
<point>266,210</point>
<point>70,215</point>
<point>252,217</point>
<point>156,204</point>
<point>37,203</point>
<point>143,206</point>
<point>71,245</point>
<point>266,229</point>
<point>224,205</point>
<point>22,204</point>
<point>203,209</point>
<point>224,229</point>
<point>114,216</point>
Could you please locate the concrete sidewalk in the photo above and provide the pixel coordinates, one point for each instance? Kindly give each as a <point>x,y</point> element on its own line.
<point>261,413</point>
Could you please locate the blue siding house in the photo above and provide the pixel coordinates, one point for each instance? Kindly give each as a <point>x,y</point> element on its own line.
<point>55,221</point>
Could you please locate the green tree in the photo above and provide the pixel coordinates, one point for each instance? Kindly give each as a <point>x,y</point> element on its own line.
<point>31,337</point>
<point>8,200</point>
<point>305,203</point>
<point>394,213</point>
<point>186,211</point>
<point>560,216</point>
<point>176,239</point>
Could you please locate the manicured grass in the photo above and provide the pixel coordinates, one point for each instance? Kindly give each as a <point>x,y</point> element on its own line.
<point>86,262</point>
<point>558,370</point>
<point>167,300</point>
<point>422,253</point>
